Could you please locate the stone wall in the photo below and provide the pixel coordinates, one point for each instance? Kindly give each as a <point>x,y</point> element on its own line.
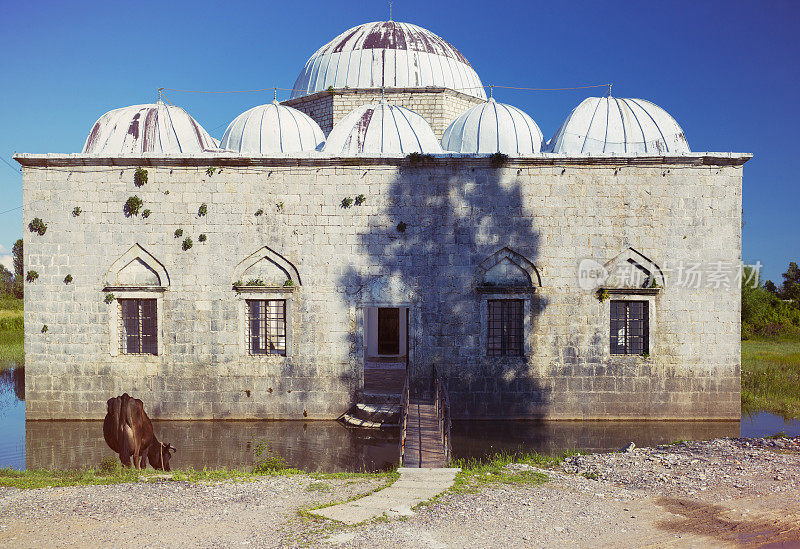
<point>439,106</point>
<point>551,210</point>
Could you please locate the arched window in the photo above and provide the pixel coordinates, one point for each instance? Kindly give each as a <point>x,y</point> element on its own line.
<point>138,282</point>
<point>265,282</point>
<point>505,281</point>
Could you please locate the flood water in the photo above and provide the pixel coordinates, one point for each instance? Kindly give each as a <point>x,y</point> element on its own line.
<point>329,445</point>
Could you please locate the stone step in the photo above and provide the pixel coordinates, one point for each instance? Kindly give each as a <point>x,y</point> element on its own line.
<point>378,408</point>
<point>357,422</point>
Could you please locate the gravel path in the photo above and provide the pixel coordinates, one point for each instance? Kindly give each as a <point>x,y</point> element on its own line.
<point>718,493</point>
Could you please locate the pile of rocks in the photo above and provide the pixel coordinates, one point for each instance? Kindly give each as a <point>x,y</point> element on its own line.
<point>727,467</point>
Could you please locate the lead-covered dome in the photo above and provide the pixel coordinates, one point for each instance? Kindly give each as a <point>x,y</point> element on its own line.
<point>615,125</point>
<point>272,128</point>
<point>151,128</point>
<point>493,127</point>
<point>391,55</point>
<point>380,128</point>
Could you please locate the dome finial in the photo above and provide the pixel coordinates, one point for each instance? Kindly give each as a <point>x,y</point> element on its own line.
<point>390,10</point>
<point>275,95</point>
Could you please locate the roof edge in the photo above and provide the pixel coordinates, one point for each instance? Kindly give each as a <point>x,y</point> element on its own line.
<point>229,159</point>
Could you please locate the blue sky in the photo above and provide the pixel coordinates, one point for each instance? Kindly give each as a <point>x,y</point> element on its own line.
<point>727,71</point>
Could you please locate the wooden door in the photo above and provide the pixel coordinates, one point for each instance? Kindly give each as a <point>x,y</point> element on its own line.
<point>388,331</point>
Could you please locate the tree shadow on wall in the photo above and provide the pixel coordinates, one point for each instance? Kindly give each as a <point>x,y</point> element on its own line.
<point>433,228</point>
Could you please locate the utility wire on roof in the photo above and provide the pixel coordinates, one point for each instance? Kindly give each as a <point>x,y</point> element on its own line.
<point>7,163</point>
<point>11,210</point>
<point>456,89</point>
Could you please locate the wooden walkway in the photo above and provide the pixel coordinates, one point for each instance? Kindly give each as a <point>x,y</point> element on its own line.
<point>423,439</point>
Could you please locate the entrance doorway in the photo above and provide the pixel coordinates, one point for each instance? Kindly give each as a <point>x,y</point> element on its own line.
<point>386,349</point>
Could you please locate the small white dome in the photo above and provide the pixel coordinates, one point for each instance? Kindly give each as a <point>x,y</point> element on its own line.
<point>151,128</point>
<point>272,128</point>
<point>391,55</point>
<point>380,128</point>
<point>493,127</point>
<point>614,125</point>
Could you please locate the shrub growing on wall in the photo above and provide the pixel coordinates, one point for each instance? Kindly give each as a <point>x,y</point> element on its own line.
<point>37,226</point>
<point>132,206</point>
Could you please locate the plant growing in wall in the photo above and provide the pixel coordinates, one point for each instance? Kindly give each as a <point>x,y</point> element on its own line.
<point>145,214</point>
<point>279,206</point>
<point>360,199</point>
<point>211,170</point>
<point>203,210</point>
<point>288,283</point>
<point>140,177</point>
<point>498,160</point>
<point>259,212</point>
<point>44,328</point>
<point>602,294</point>
<point>132,206</point>
<point>109,298</point>
<point>255,282</point>
<point>76,211</point>
<point>347,202</point>
<point>178,233</point>
<point>68,279</point>
<point>31,276</point>
<point>401,227</point>
<point>331,90</point>
<point>37,226</point>
<point>202,237</point>
<point>417,159</point>
<point>187,243</point>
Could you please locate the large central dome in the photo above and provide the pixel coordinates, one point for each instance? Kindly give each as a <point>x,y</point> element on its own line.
<point>388,54</point>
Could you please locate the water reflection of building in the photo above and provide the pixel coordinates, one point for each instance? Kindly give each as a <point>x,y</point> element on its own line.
<point>313,446</point>
<point>329,446</point>
<point>280,272</point>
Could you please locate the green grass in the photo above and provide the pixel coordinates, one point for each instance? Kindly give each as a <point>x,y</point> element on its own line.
<point>476,473</point>
<point>111,472</point>
<point>12,333</point>
<point>771,378</point>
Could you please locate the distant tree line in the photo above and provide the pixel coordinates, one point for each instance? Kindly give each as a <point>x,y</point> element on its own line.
<point>11,284</point>
<point>768,310</point>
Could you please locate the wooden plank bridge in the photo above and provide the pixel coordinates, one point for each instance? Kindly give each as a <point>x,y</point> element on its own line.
<point>424,419</point>
<point>425,437</point>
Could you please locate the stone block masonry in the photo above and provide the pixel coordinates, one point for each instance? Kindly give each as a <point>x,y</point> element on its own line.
<point>439,106</point>
<point>549,210</point>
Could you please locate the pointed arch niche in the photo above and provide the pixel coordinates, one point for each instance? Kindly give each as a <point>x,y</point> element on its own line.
<point>505,282</point>
<point>507,270</point>
<point>136,274</point>
<point>265,276</point>
<point>631,272</point>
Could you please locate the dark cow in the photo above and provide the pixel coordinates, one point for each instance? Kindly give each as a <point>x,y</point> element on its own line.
<point>128,432</point>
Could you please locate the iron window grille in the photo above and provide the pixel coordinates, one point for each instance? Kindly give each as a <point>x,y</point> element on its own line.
<point>138,327</point>
<point>630,328</point>
<point>266,326</point>
<point>505,327</point>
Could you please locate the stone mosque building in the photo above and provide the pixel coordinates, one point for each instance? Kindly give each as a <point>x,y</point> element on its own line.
<point>385,221</point>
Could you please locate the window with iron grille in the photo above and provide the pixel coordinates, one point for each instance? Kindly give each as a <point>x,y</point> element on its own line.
<point>139,327</point>
<point>630,328</point>
<point>505,327</point>
<point>266,325</point>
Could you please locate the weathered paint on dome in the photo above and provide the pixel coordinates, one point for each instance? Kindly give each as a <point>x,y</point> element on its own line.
<point>493,127</point>
<point>615,125</point>
<point>388,54</point>
<point>272,128</point>
<point>150,128</point>
<point>381,128</point>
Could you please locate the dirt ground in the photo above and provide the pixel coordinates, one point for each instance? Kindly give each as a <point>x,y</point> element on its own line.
<point>723,493</point>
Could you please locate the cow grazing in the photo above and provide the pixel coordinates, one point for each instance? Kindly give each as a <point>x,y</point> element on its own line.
<point>129,432</point>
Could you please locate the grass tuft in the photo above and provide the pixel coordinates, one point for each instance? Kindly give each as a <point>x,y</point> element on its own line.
<point>771,378</point>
